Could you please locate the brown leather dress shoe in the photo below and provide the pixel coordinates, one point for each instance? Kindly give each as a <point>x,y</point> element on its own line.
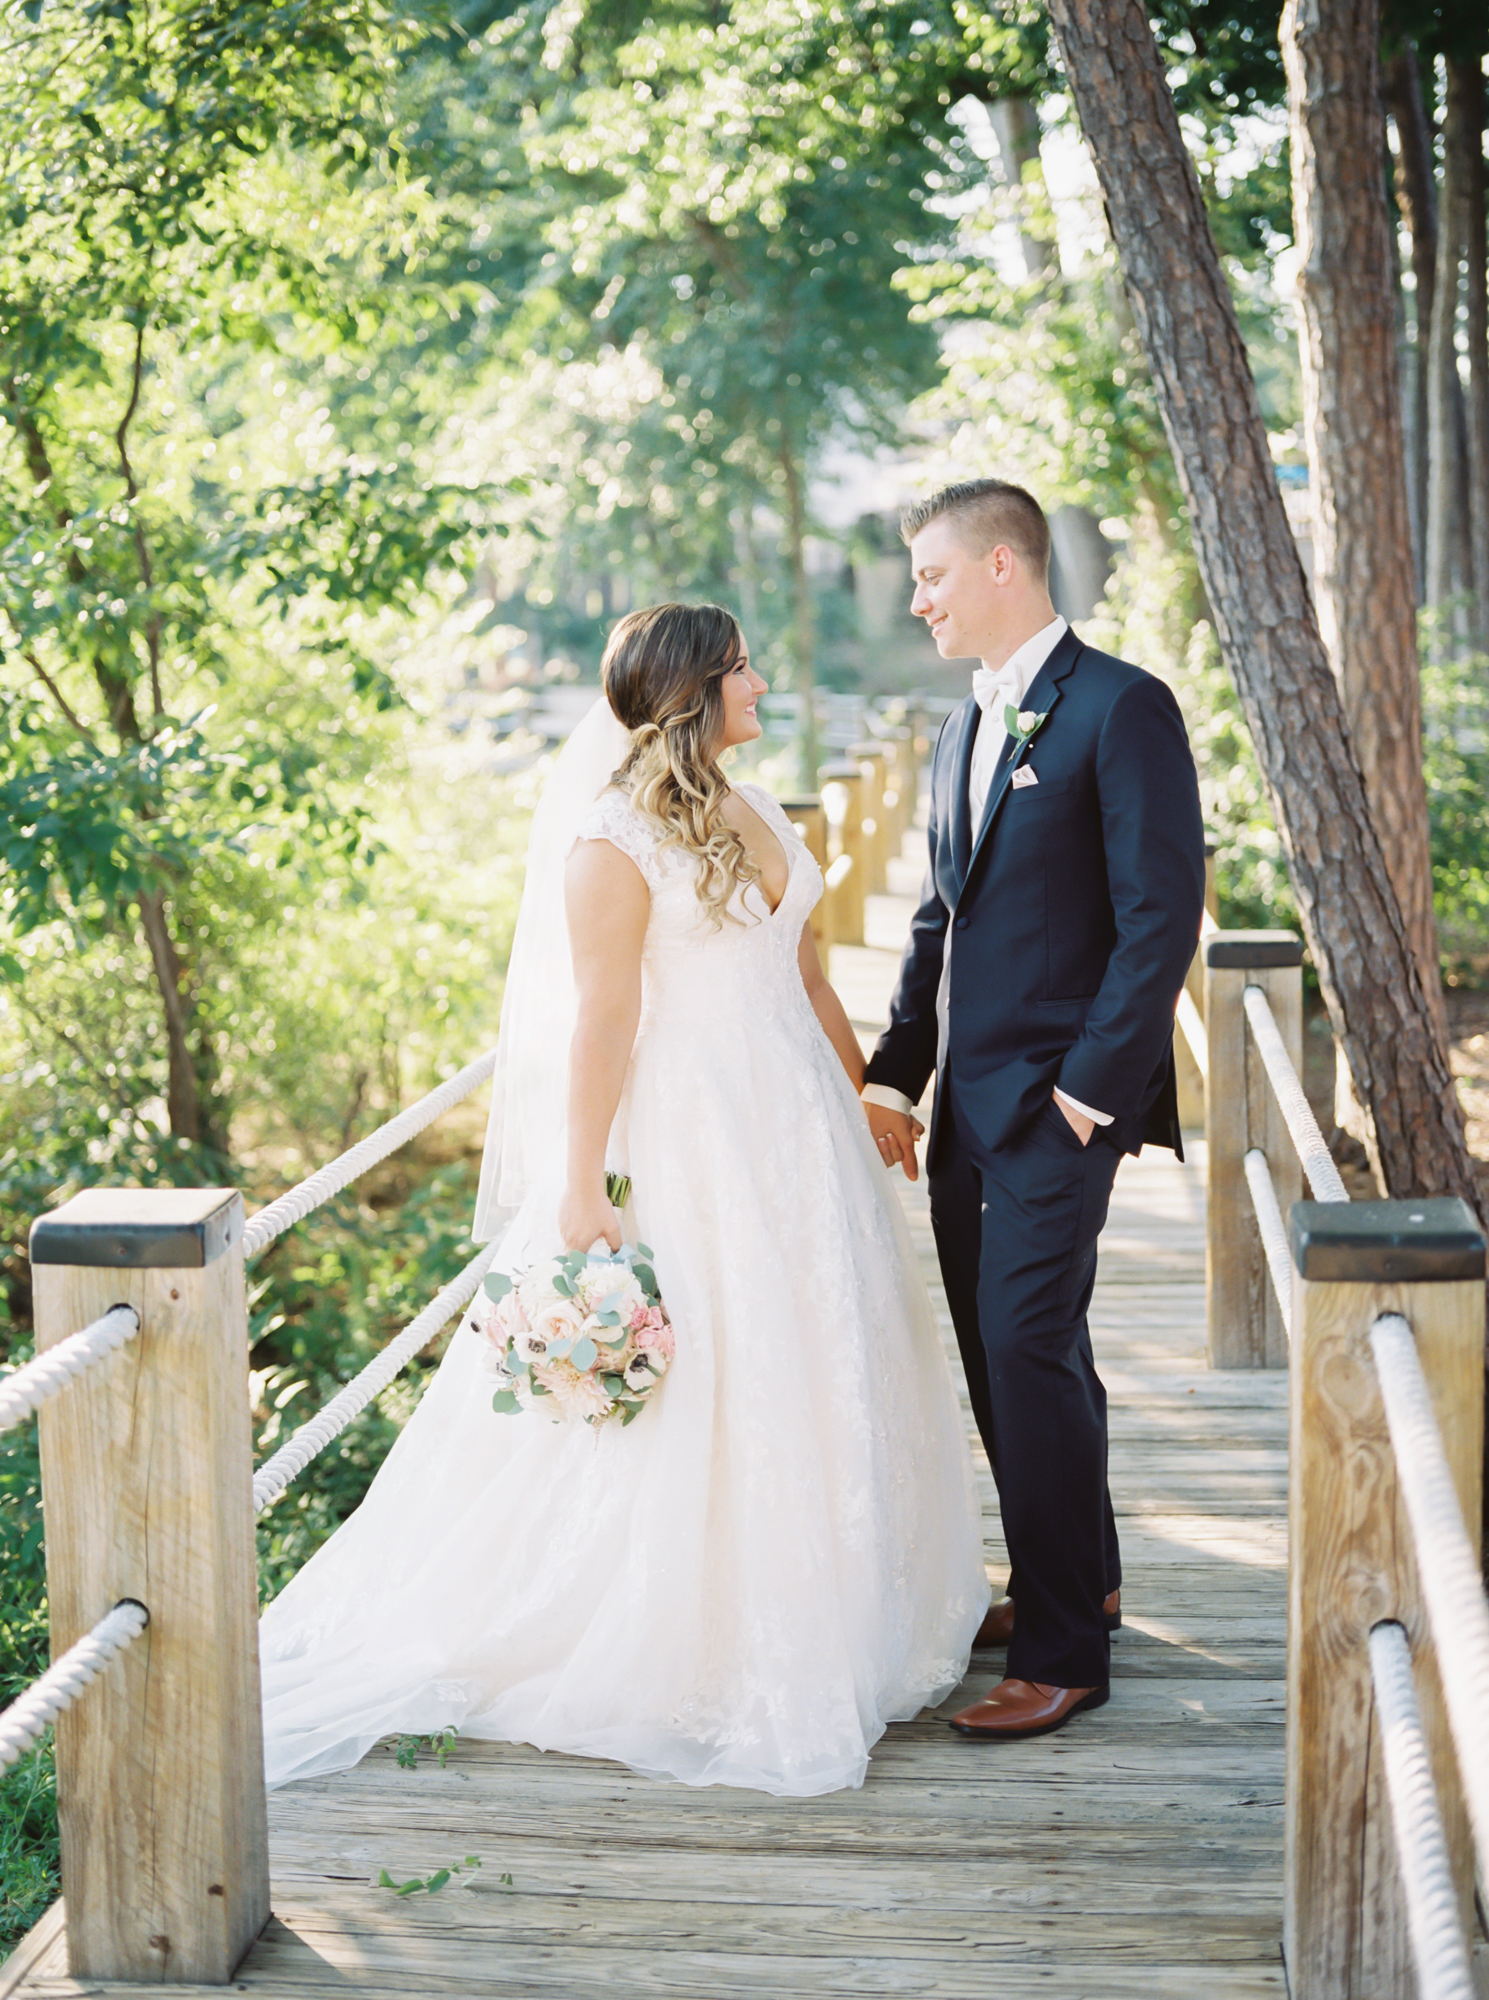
<point>1016,1709</point>
<point>997,1628</point>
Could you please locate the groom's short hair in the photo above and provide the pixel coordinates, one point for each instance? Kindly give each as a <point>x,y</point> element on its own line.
<point>987,512</point>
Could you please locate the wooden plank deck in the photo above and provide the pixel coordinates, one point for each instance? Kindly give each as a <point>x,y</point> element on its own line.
<point>1138,1852</point>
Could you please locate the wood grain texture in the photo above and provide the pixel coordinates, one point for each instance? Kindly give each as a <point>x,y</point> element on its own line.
<point>1352,1565</point>
<point>146,1472</point>
<point>1241,1111</point>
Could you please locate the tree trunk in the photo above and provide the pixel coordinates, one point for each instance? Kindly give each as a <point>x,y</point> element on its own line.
<point>803,613</point>
<point>1364,586</point>
<point>1015,122</point>
<point>1448,563</point>
<point>1257,591</point>
<point>1416,193</point>
<point>183,1098</point>
<point>1475,276</point>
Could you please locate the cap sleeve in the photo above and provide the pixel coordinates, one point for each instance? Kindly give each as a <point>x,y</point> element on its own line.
<point>612,817</point>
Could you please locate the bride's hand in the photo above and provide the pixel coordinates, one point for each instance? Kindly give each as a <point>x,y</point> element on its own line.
<point>584,1216</point>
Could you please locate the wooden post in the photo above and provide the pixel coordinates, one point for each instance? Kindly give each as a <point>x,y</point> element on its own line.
<point>1191,1083</point>
<point>809,819</point>
<point>1244,1322</point>
<point>1351,1564</point>
<point>899,788</point>
<point>870,760</point>
<point>842,800</point>
<point>147,1477</point>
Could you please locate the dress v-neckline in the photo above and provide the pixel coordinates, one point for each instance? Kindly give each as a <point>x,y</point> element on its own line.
<point>772,908</point>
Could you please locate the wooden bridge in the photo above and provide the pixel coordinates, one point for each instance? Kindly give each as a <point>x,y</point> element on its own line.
<point>1141,1851</point>
<point>1137,1852</point>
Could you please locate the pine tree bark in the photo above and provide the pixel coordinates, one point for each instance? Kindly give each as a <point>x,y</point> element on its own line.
<point>1364,584</point>
<point>1416,195</point>
<point>1449,565</point>
<point>1263,614</point>
<point>1475,276</point>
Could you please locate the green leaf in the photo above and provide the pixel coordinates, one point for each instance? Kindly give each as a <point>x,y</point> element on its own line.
<point>612,1384</point>
<point>437,1880</point>
<point>584,1353</point>
<point>646,1278</point>
<point>496,1284</point>
<point>643,1251</point>
<point>505,1403</point>
<point>385,1880</point>
<point>408,1888</point>
<point>562,1286</point>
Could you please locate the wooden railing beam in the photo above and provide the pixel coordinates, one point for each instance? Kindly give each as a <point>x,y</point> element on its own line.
<point>1351,1565</point>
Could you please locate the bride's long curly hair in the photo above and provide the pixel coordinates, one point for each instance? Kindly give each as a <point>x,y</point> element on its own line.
<point>662,672</point>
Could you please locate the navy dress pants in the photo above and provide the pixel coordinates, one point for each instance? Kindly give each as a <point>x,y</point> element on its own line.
<point>1016,1232</point>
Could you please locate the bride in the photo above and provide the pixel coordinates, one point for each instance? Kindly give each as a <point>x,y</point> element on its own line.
<point>783,1554</point>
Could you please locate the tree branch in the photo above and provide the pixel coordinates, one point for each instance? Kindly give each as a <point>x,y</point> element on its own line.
<point>61,700</point>
<point>141,546</point>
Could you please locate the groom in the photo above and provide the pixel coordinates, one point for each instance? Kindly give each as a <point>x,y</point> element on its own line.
<point>1058,919</point>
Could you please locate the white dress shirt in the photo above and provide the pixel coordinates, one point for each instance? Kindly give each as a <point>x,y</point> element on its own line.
<point>995,691</point>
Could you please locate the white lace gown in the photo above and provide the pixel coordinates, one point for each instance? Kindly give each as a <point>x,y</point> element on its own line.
<point>782,1554</point>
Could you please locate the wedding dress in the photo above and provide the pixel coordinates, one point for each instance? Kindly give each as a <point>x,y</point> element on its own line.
<point>783,1553</point>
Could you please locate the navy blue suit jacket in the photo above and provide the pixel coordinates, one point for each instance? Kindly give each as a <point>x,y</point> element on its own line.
<point>1052,949</point>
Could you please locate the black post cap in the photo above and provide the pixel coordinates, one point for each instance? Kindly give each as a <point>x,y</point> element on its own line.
<point>137,1229</point>
<point>801,802</point>
<point>1364,1242</point>
<point>1252,951</point>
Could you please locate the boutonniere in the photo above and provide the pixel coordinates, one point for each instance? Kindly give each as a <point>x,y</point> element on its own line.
<point>1022,724</point>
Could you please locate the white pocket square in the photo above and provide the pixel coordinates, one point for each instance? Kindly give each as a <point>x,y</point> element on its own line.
<point>1023,776</point>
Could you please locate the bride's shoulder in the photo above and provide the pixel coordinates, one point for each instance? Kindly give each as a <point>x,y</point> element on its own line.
<point>614,818</point>
<point>765,803</point>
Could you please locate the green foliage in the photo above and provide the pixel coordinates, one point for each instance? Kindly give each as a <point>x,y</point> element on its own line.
<point>28,1802</point>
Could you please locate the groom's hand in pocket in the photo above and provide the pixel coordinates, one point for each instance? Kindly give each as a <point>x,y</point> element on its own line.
<point>895,1134</point>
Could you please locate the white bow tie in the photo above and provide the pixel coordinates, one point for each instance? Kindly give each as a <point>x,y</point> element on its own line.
<point>988,686</point>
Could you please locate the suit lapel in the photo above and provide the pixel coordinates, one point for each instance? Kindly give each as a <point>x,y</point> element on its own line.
<point>1044,692</point>
<point>961,784</point>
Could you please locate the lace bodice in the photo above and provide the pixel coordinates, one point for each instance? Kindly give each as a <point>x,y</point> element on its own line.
<point>689,962</point>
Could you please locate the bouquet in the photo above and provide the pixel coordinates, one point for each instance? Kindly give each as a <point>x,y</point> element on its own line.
<point>580,1335</point>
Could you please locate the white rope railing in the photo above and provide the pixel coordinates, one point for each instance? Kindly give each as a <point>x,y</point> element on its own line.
<point>1447,1563</point>
<point>1272,1230</point>
<point>288,1209</point>
<point>1191,1021</point>
<point>1323,1175</point>
<point>312,1438</point>
<point>59,1687</point>
<point>1432,1917</point>
<point>32,1384</point>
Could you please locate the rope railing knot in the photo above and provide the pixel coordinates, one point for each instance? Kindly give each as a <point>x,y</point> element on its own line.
<point>29,1386</point>
<point>30,1714</point>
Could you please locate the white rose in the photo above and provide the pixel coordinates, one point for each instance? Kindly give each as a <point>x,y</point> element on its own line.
<point>1027,720</point>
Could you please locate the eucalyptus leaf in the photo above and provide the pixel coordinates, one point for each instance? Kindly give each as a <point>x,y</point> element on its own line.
<point>496,1284</point>
<point>646,1278</point>
<point>505,1403</point>
<point>642,1250</point>
<point>562,1286</point>
<point>613,1385</point>
<point>584,1353</point>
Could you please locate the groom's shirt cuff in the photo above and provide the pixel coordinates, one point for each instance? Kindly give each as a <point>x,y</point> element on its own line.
<point>895,1100</point>
<point>1096,1117</point>
<point>887,1097</point>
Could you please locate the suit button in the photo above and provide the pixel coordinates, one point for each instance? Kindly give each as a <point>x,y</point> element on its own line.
<point>959,923</point>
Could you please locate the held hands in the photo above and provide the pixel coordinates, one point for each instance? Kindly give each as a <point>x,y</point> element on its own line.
<point>895,1134</point>
<point>585,1216</point>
